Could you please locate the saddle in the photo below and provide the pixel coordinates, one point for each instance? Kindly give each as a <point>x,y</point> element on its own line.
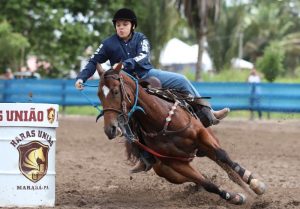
<point>187,101</point>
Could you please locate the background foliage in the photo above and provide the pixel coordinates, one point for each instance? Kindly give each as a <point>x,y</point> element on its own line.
<point>271,62</point>
<point>59,31</point>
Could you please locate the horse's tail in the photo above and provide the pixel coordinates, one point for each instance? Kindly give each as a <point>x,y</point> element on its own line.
<point>132,152</point>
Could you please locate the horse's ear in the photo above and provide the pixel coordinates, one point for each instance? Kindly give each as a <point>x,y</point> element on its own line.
<point>119,67</point>
<point>100,70</point>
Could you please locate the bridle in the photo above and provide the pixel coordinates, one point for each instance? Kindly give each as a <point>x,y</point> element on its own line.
<point>124,115</point>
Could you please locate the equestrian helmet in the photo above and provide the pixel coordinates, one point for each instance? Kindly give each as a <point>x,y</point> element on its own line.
<point>125,14</point>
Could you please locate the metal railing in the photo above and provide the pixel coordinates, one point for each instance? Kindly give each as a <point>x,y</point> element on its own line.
<point>270,97</point>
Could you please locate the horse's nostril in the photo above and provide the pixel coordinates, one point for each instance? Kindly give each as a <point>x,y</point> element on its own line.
<point>113,130</point>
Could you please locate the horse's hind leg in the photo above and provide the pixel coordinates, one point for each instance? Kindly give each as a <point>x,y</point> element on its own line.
<point>233,168</point>
<point>184,172</point>
<point>233,175</point>
<point>209,145</point>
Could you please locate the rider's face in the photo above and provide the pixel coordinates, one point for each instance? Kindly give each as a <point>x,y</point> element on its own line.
<point>123,28</point>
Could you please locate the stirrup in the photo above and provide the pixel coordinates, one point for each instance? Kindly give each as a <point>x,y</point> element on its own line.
<point>142,165</point>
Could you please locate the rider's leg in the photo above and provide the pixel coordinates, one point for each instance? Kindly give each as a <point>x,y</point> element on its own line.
<point>205,113</point>
<point>146,160</point>
<point>179,82</point>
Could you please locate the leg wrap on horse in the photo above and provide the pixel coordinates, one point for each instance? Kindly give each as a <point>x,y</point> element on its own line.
<point>236,199</point>
<point>210,187</point>
<point>243,173</point>
<point>225,195</point>
<point>222,156</point>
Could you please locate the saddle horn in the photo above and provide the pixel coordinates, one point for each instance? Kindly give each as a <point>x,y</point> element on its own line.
<point>100,70</point>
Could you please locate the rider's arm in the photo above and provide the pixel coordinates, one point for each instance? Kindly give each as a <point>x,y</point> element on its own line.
<point>142,58</point>
<point>100,56</point>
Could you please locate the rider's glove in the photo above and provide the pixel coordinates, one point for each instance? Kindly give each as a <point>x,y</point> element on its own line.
<point>79,84</point>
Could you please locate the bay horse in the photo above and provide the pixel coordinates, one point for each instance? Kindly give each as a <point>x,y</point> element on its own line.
<point>170,133</point>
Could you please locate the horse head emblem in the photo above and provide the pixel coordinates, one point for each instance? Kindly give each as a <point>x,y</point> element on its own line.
<point>51,115</point>
<point>33,160</point>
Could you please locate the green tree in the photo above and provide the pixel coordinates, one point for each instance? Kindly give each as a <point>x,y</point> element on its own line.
<point>157,19</point>
<point>271,63</point>
<point>201,15</point>
<point>60,31</point>
<point>224,40</point>
<point>12,46</point>
<point>269,21</point>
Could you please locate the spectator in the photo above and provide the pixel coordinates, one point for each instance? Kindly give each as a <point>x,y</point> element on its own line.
<point>254,79</point>
<point>8,74</point>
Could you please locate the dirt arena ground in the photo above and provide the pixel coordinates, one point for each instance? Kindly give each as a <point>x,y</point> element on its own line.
<point>92,171</point>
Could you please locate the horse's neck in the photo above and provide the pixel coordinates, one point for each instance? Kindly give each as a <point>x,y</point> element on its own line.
<point>155,108</point>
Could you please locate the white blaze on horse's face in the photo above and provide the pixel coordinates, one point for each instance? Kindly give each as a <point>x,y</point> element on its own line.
<point>105,90</point>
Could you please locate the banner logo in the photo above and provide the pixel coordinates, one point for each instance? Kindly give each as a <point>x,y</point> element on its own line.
<point>51,114</point>
<point>33,160</point>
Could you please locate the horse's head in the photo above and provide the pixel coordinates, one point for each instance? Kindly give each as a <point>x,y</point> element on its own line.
<point>115,98</point>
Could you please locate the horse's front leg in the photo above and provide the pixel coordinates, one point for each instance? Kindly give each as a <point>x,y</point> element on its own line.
<point>169,173</point>
<point>188,173</point>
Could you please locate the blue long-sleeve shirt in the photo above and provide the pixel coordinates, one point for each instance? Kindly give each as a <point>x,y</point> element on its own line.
<point>134,54</point>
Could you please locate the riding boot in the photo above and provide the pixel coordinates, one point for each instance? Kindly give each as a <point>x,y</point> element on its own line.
<point>221,113</point>
<point>206,114</point>
<point>144,164</point>
<point>209,117</point>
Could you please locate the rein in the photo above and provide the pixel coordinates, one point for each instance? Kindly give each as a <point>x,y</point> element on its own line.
<point>184,159</point>
<point>90,101</point>
<point>135,107</point>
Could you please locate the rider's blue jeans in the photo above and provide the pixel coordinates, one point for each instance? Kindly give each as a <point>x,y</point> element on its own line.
<point>173,80</point>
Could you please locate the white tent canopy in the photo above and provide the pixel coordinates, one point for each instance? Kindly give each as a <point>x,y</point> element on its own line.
<point>178,52</point>
<point>241,64</point>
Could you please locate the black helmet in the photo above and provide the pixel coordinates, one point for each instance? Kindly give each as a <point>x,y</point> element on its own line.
<point>125,14</point>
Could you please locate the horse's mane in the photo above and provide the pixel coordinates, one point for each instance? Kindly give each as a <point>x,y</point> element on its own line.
<point>110,72</point>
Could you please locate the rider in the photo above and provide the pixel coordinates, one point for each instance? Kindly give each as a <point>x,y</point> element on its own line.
<point>133,49</point>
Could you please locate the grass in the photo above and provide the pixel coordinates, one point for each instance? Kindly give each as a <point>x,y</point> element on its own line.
<point>79,110</point>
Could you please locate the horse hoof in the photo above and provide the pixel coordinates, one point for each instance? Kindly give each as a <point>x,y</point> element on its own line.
<point>257,186</point>
<point>238,199</point>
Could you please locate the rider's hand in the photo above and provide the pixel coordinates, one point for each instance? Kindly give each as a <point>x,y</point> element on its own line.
<point>79,84</point>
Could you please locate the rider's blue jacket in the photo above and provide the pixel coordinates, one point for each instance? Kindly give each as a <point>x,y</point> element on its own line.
<point>134,54</point>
